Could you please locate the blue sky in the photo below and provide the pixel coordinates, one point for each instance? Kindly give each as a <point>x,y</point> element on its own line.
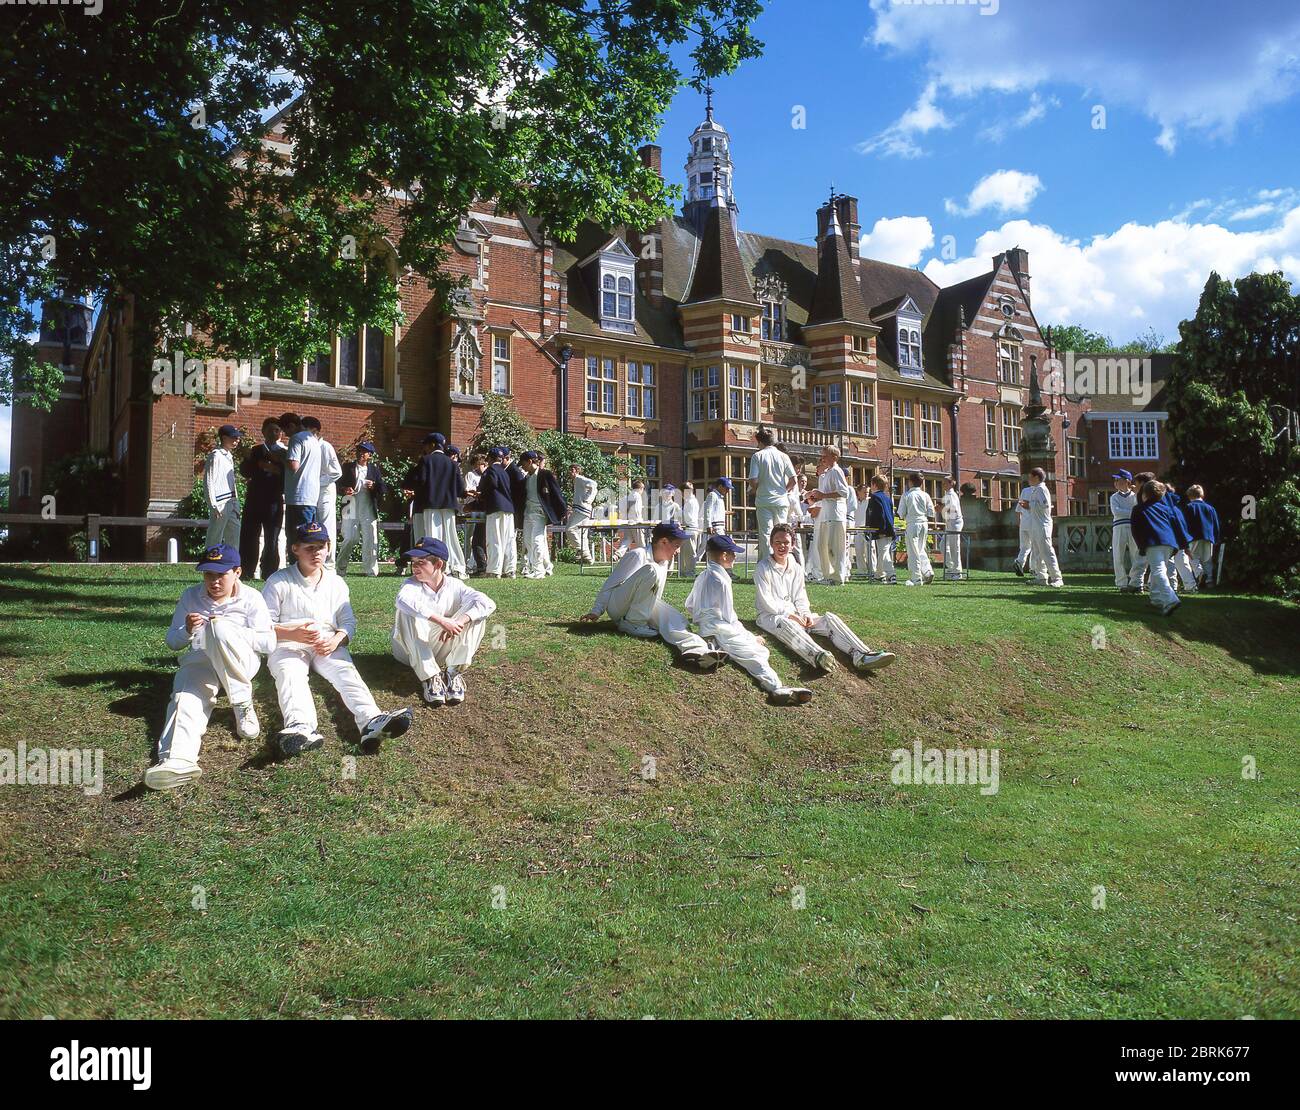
<point>976,121</point>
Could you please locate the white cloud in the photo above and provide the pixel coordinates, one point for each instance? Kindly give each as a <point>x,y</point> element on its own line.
<point>1138,276</point>
<point>901,240</point>
<point>1007,191</point>
<point>897,140</point>
<point>1189,65</point>
<point>1034,111</point>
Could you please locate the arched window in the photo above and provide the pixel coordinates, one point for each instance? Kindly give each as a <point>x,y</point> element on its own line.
<point>25,482</point>
<point>468,357</point>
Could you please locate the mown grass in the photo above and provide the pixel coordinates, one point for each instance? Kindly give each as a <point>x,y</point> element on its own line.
<point>508,858</point>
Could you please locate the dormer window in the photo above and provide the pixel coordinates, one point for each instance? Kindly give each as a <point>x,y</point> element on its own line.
<point>771,291</point>
<point>612,271</point>
<point>909,346</point>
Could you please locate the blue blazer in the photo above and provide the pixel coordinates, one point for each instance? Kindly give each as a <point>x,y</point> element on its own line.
<point>1159,524</point>
<point>1202,520</point>
<point>437,482</point>
<point>350,478</point>
<point>880,512</point>
<point>548,493</point>
<point>494,492</point>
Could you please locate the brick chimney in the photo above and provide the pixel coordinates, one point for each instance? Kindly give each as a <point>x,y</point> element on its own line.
<point>1017,259</point>
<point>649,244</point>
<point>847,210</point>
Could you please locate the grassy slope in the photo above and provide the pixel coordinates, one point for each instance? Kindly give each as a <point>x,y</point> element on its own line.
<point>622,897</point>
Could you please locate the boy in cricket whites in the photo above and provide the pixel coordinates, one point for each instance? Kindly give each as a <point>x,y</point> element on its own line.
<point>781,599</point>
<point>917,510</point>
<point>1203,526</point>
<point>311,610</point>
<point>953,523</point>
<point>710,606</point>
<point>439,624</point>
<point>831,498</point>
<point>331,470</point>
<point>633,597</point>
<point>1125,560</point>
<point>219,485</point>
<point>1037,503</point>
<point>222,625</point>
<point>362,486</point>
<point>579,516</point>
<point>543,507</point>
<point>691,524</point>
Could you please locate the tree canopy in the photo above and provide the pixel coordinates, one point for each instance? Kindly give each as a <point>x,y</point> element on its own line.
<point>140,163</point>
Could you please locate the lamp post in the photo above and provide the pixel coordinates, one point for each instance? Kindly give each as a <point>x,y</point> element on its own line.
<point>566,353</point>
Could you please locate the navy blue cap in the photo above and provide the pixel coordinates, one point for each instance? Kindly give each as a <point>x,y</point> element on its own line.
<point>497,453</point>
<point>229,430</point>
<point>723,543</point>
<point>428,548</point>
<point>452,449</point>
<point>505,449</point>
<point>434,437</point>
<point>367,446</point>
<point>725,483</point>
<point>670,488</point>
<point>311,532</point>
<point>529,455</point>
<point>1123,474</point>
<point>220,558</point>
<point>668,530</point>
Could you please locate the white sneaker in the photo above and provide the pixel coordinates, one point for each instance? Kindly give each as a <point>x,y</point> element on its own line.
<point>873,660</point>
<point>791,695</point>
<point>171,774</point>
<point>386,724</point>
<point>455,689</point>
<point>433,689</point>
<point>246,722</point>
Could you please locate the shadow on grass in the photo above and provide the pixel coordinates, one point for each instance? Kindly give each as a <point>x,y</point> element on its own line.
<point>1261,633</point>
<point>147,693</point>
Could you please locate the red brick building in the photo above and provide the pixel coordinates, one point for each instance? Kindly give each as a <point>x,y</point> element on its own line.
<point>684,338</point>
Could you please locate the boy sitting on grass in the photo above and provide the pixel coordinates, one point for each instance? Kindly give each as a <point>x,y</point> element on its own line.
<point>224,624</point>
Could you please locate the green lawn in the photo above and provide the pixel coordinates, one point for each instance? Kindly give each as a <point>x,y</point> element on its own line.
<point>508,858</point>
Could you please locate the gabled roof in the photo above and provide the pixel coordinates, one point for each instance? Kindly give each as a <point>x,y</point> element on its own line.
<point>719,271</point>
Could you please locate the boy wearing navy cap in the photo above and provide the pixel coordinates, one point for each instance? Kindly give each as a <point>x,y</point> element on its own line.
<point>633,596</point>
<point>497,502</point>
<point>439,624</point>
<point>1159,531</point>
<point>219,485</point>
<point>710,606</point>
<point>224,624</point>
<point>312,612</point>
<point>1203,527</point>
<point>1123,549</point>
<point>363,489</point>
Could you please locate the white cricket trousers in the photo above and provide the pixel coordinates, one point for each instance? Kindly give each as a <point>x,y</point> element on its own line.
<point>884,569</point>
<point>418,642</point>
<point>1203,559</point>
<point>440,524</point>
<point>291,666</point>
<point>223,525</point>
<point>222,658</point>
<point>579,522</point>
<point>831,550</point>
<point>634,604</point>
<point>1162,590</point>
<point>918,562</point>
<point>537,546</point>
<point>864,553</point>
<point>326,517</point>
<point>360,525</point>
<point>800,639</point>
<point>769,516</point>
<point>502,555</point>
<point>1124,552</point>
<point>952,554</point>
<point>1181,565</point>
<point>686,557</point>
<point>1047,571</point>
<point>1026,541</point>
<point>745,651</point>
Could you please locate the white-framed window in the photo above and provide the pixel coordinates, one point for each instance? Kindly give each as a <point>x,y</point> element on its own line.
<point>862,408</point>
<point>641,390</point>
<point>706,387</point>
<point>1008,361</point>
<point>742,393</point>
<point>1010,429</point>
<point>500,364</point>
<point>615,296</point>
<point>1075,452</point>
<point>991,428</point>
<point>931,427</point>
<point>1135,438</point>
<point>468,357</point>
<point>828,406</point>
<point>741,324</point>
<point>909,346</point>
<point>602,385</point>
<point>773,319</point>
<point>904,423</point>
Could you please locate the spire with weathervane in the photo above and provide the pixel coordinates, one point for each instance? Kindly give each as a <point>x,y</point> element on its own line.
<point>708,167</point>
